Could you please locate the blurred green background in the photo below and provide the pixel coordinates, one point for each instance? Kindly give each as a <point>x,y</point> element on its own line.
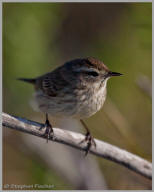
<point>37,37</point>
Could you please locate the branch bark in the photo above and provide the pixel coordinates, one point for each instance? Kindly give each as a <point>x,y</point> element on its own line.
<point>103,149</point>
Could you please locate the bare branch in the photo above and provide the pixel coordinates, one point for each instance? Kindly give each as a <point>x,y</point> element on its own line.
<point>103,149</point>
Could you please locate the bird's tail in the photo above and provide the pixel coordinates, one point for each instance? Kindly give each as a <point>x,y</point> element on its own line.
<point>27,80</point>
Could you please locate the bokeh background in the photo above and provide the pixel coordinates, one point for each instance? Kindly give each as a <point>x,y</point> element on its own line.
<point>38,37</point>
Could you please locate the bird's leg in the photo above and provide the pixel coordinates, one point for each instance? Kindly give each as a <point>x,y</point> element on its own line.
<point>88,138</point>
<point>48,128</point>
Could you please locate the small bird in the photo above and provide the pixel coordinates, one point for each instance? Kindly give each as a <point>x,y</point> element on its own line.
<point>77,89</point>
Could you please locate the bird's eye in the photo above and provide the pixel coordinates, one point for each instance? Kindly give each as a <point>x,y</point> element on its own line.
<point>92,73</point>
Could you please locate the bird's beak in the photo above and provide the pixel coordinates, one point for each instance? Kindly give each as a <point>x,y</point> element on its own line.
<point>110,74</point>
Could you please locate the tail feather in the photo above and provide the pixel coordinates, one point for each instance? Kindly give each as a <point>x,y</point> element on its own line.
<point>27,80</point>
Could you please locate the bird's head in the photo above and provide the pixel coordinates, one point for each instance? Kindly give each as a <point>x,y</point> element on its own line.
<point>91,70</point>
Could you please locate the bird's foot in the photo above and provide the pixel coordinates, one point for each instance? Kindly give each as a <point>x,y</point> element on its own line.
<point>90,141</point>
<point>48,130</point>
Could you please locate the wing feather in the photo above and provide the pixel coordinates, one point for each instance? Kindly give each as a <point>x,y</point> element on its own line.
<point>52,84</point>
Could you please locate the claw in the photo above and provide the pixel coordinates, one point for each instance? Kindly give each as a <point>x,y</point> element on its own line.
<point>90,141</point>
<point>48,131</point>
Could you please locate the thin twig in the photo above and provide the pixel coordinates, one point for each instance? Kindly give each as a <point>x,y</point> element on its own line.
<point>144,83</point>
<point>103,149</point>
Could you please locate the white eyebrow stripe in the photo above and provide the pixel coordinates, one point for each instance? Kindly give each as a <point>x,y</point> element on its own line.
<point>86,69</point>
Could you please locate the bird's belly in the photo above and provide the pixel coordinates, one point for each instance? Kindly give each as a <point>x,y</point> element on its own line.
<point>77,107</point>
<point>55,106</point>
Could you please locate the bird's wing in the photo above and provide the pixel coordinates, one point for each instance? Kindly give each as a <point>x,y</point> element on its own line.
<point>49,87</point>
<point>52,84</point>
